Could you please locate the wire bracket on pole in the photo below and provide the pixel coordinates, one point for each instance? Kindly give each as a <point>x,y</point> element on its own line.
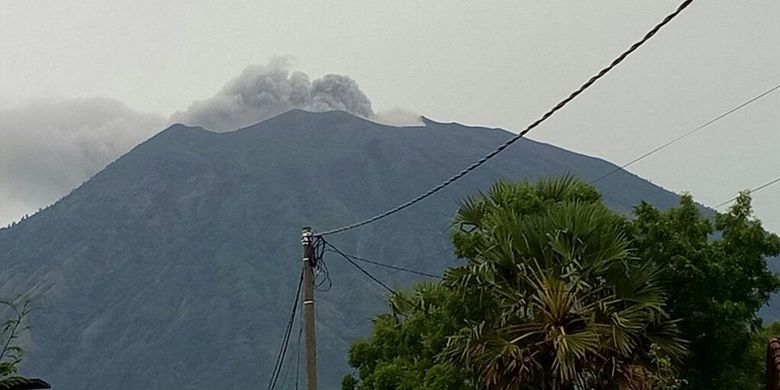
<point>309,264</point>
<point>307,238</point>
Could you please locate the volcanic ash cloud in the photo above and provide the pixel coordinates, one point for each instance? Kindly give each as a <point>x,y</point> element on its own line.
<point>50,146</point>
<point>263,91</point>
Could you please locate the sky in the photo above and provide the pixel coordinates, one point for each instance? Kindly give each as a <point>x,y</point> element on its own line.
<point>82,82</point>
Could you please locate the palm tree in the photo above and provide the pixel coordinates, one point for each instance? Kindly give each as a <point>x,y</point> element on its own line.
<point>571,307</point>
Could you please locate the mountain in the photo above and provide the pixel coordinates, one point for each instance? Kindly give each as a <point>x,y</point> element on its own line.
<point>176,266</point>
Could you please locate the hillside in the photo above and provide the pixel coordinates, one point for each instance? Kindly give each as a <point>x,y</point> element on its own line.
<point>175,266</point>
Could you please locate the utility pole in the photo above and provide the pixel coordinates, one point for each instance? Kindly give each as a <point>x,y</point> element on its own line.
<point>309,262</point>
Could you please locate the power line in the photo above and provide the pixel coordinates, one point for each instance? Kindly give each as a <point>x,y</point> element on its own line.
<point>397,268</point>
<point>449,248</point>
<point>520,135</point>
<point>297,364</point>
<point>298,358</point>
<point>428,255</point>
<point>372,277</point>
<point>754,190</point>
<point>321,270</point>
<point>286,339</point>
<point>297,346</point>
<point>700,127</point>
<point>361,269</point>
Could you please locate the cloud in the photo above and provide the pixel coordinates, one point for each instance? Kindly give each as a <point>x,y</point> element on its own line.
<point>262,91</point>
<point>398,117</point>
<point>50,146</point>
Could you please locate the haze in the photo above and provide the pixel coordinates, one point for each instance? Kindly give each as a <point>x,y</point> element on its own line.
<point>83,81</point>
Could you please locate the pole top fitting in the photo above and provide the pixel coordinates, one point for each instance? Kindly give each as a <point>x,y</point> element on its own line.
<point>306,236</point>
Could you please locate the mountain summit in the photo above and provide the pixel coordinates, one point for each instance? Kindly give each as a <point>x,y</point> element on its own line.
<point>176,266</point>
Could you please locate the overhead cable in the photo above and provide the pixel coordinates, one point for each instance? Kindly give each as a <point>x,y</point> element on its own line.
<point>393,267</point>
<point>361,269</point>
<point>521,134</point>
<point>700,127</point>
<point>286,339</point>
<point>754,190</point>
<point>372,277</point>
<point>298,357</point>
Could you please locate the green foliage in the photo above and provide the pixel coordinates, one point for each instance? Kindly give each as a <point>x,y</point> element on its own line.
<point>11,353</point>
<point>560,292</point>
<point>551,297</point>
<point>570,303</point>
<point>402,351</point>
<point>513,200</point>
<point>662,374</point>
<point>717,280</point>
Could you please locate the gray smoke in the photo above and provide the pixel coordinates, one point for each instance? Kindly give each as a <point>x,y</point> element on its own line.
<point>51,146</point>
<point>262,91</point>
<point>398,117</point>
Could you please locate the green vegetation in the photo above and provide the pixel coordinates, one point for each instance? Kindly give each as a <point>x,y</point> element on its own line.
<point>568,302</point>
<point>559,292</point>
<point>403,351</point>
<point>11,353</point>
<point>717,279</point>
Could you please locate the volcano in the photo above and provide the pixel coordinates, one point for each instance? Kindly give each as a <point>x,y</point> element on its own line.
<point>176,266</point>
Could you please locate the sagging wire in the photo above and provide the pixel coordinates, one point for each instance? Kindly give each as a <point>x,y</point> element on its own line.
<point>389,266</point>
<point>419,198</point>
<point>394,293</point>
<point>321,271</point>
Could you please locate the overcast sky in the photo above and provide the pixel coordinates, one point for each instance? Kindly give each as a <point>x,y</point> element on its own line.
<point>83,81</point>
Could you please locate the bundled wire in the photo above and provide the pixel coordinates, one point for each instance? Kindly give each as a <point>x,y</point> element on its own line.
<point>521,134</point>
<point>322,276</point>
<point>286,339</point>
<point>321,271</point>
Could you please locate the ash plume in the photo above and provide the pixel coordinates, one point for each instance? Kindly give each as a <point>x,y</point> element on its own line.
<point>263,91</point>
<point>50,146</point>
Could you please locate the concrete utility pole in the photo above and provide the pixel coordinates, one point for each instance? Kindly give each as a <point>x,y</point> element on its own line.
<point>309,263</point>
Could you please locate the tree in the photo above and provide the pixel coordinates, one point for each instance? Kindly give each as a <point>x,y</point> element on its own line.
<point>551,297</point>
<point>547,257</point>
<point>403,350</point>
<point>571,305</point>
<point>11,353</point>
<point>717,280</point>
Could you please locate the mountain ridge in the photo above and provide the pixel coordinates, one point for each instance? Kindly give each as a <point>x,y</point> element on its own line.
<point>175,266</point>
